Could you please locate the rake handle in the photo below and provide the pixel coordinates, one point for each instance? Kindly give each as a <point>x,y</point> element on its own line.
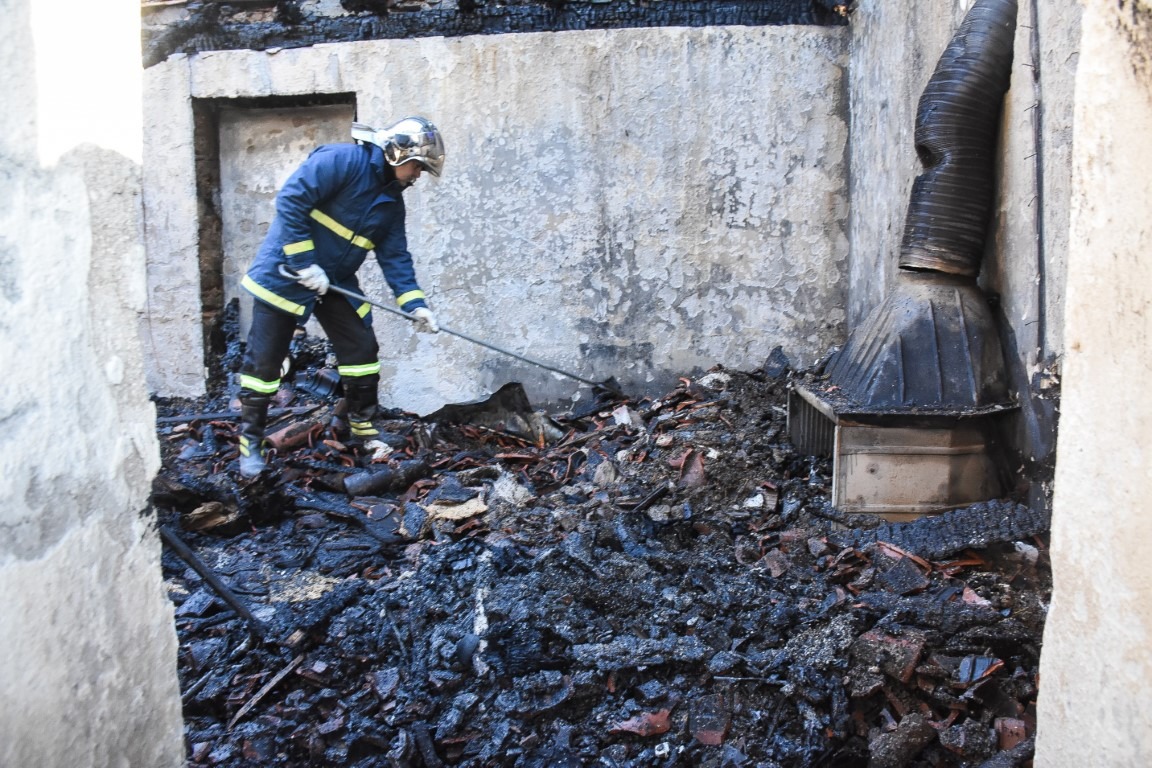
<point>443,329</point>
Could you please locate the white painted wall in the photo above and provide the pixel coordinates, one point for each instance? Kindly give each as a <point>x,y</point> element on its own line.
<point>89,649</point>
<point>637,203</point>
<point>1096,667</point>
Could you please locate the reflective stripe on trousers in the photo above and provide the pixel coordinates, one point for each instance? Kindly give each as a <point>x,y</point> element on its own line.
<point>271,334</point>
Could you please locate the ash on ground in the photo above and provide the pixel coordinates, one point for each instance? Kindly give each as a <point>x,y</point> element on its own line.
<point>659,582</point>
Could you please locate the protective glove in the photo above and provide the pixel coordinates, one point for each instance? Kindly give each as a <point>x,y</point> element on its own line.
<point>425,320</point>
<point>314,278</point>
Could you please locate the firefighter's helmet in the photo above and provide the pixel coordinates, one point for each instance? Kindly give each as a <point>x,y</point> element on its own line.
<point>413,138</point>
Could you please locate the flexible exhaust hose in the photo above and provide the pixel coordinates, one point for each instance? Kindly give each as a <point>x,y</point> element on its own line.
<point>957,125</point>
<point>932,344</point>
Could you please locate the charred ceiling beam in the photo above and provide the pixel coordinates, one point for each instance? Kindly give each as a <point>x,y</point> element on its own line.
<point>214,26</point>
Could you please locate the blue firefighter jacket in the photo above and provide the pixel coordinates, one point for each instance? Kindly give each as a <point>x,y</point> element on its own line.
<point>337,206</point>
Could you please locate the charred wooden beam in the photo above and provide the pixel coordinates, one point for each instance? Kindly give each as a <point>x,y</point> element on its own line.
<point>386,478</point>
<point>936,537</point>
<point>274,413</point>
<point>211,579</point>
<point>209,27</point>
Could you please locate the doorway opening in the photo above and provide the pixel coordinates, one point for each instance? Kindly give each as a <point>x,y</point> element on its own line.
<point>245,149</point>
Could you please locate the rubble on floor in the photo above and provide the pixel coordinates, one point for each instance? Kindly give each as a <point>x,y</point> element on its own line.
<point>658,582</point>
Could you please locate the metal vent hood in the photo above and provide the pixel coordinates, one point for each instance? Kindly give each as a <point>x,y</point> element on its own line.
<point>928,357</point>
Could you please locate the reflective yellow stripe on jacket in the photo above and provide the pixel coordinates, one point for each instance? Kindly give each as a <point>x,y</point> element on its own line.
<point>342,230</point>
<point>291,249</point>
<point>404,298</point>
<point>259,385</point>
<point>268,297</point>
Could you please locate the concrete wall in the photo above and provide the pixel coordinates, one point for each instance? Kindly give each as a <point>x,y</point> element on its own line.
<point>1096,669</point>
<point>1025,263</point>
<point>637,203</point>
<point>89,648</point>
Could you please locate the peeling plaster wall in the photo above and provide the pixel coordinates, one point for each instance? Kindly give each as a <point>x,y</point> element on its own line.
<point>89,671</point>
<point>1096,669</point>
<point>637,203</point>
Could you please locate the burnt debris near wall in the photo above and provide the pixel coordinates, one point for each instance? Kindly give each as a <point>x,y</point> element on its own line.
<point>206,25</point>
<point>653,582</point>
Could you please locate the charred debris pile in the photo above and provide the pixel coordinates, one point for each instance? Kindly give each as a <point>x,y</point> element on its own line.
<point>655,582</point>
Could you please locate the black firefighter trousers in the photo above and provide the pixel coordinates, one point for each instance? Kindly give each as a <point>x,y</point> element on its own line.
<point>271,334</point>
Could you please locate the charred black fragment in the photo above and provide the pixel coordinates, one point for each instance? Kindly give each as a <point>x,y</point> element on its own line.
<point>388,478</point>
<point>186,554</point>
<point>208,27</point>
<point>942,535</point>
<point>315,619</point>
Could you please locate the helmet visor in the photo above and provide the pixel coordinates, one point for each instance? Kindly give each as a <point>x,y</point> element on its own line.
<point>425,147</point>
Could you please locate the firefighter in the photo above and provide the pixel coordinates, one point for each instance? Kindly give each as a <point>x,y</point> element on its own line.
<point>342,202</point>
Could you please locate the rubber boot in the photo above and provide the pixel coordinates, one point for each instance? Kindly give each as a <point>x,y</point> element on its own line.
<point>363,407</point>
<point>253,419</point>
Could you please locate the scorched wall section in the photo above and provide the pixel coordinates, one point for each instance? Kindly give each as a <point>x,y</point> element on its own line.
<point>637,203</point>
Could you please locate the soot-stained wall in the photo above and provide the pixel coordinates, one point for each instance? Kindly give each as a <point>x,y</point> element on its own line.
<point>640,203</point>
